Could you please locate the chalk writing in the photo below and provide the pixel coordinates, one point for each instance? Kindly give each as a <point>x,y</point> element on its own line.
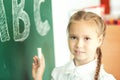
<point>4,35</point>
<point>41,27</point>
<point>19,13</point>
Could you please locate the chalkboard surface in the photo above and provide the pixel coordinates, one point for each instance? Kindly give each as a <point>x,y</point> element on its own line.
<point>25,25</point>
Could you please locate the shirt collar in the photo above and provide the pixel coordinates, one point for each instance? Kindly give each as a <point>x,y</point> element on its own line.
<point>87,68</point>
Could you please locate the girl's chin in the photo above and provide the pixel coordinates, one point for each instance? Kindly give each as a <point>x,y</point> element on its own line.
<point>80,58</point>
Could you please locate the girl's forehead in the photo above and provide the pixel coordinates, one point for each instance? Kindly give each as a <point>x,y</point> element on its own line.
<point>83,27</point>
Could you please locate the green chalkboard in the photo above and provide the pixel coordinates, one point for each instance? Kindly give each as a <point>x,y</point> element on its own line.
<point>25,25</point>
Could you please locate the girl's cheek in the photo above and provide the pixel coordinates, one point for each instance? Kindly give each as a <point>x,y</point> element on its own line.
<point>71,46</point>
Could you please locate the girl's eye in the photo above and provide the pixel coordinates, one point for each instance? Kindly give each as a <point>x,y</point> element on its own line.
<point>87,38</point>
<point>73,37</point>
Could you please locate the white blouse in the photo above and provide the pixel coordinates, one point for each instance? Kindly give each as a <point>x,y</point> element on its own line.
<point>84,72</point>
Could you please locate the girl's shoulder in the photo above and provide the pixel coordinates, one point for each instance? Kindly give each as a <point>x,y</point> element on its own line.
<point>65,67</point>
<point>106,76</point>
<point>61,70</point>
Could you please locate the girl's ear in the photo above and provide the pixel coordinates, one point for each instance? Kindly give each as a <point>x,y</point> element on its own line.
<point>100,40</point>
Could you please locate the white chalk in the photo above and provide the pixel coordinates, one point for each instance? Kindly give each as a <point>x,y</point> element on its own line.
<point>39,50</point>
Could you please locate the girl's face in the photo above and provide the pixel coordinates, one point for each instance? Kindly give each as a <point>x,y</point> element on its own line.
<point>83,41</point>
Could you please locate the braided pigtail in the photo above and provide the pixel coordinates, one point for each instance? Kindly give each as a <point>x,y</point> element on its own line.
<point>99,53</point>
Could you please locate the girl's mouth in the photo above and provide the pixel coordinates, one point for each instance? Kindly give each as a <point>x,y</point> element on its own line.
<point>79,52</point>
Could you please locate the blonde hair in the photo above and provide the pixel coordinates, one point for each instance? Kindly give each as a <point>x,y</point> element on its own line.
<point>101,27</point>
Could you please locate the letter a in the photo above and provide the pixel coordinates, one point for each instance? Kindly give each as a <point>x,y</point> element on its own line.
<point>4,35</point>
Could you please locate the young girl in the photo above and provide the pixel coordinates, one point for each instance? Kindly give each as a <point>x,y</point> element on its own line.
<point>86,32</point>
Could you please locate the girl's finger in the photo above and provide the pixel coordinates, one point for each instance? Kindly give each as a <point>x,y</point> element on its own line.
<point>35,59</point>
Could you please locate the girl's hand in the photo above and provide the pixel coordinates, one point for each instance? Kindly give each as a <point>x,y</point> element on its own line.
<point>38,68</point>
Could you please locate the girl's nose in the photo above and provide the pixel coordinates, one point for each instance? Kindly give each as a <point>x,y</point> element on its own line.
<point>79,43</point>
